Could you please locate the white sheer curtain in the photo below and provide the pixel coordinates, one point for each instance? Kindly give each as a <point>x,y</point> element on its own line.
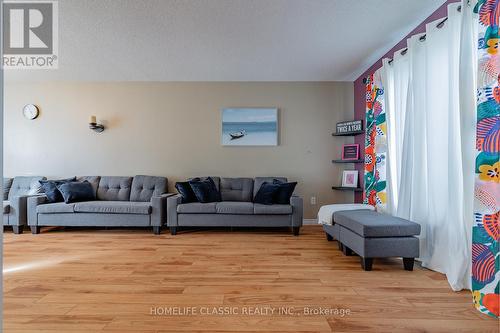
<point>430,108</point>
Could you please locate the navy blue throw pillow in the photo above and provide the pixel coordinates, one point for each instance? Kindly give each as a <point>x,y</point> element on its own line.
<point>266,194</point>
<point>284,193</point>
<point>186,192</point>
<point>205,190</point>
<point>49,187</point>
<point>77,191</point>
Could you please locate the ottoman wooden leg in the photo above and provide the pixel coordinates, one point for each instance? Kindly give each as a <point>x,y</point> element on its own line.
<point>328,237</point>
<point>35,229</point>
<point>366,263</point>
<point>18,229</point>
<point>157,230</point>
<point>347,251</point>
<point>173,231</point>
<point>408,263</point>
<point>296,231</point>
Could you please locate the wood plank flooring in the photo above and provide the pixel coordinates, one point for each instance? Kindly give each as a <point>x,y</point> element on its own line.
<point>91,280</point>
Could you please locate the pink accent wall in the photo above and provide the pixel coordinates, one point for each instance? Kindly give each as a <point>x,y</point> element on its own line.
<point>359,86</point>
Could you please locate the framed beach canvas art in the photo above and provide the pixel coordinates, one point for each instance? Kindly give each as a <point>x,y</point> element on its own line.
<point>249,127</point>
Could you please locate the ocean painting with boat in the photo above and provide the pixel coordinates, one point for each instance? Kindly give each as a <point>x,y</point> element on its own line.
<point>250,127</point>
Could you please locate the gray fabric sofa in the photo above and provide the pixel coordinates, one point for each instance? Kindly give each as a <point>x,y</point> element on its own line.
<point>374,235</point>
<point>236,208</point>
<point>16,192</point>
<point>138,201</point>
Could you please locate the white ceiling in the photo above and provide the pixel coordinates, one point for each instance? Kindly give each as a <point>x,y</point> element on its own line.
<point>226,40</point>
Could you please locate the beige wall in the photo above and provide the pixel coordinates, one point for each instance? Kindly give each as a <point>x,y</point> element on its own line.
<point>173,129</point>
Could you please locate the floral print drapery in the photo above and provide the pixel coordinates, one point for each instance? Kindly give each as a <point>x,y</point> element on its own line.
<point>375,144</point>
<point>486,233</point>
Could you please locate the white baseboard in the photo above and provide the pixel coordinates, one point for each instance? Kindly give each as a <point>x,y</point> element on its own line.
<point>310,221</point>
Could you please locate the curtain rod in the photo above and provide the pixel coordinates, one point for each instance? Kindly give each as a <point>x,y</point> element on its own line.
<point>422,38</point>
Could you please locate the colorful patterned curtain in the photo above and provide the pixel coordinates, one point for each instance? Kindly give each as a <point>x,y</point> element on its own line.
<point>485,233</point>
<point>375,145</point>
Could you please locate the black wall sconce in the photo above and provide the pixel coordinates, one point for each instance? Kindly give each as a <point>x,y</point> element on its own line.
<point>93,125</point>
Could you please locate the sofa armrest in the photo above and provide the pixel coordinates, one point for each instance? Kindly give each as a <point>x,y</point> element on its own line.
<point>18,214</point>
<point>159,209</point>
<point>172,203</point>
<point>297,211</point>
<point>33,202</point>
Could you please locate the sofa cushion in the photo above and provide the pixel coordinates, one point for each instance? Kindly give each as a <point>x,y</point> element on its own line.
<point>76,191</point>
<point>55,208</point>
<point>7,184</point>
<point>49,187</point>
<point>113,188</point>
<point>197,208</point>
<point>367,223</point>
<point>6,207</point>
<point>93,180</point>
<point>236,189</point>
<point>25,186</point>
<point>205,190</point>
<point>113,207</point>
<point>146,187</point>
<point>215,179</point>
<point>186,192</point>
<point>260,209</point>
<point>260,180</point>
<point>234,207</point>
<point>284,193</point>
<point>266,194</point>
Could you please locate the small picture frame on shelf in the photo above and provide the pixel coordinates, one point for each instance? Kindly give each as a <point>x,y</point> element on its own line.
<point>350,178</point>
<point>350,152</point>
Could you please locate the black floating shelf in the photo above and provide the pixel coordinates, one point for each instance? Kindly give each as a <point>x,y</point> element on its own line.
<point>349,134</point>
<point>340,188</point>
<point>351,161</point>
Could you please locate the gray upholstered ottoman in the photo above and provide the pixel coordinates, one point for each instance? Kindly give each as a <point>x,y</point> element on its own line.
<point>375,235</point>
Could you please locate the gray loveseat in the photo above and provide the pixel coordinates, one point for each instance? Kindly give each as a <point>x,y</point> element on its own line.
<point>236,208</point>
<point>15,199</point>
<point>138,201</point>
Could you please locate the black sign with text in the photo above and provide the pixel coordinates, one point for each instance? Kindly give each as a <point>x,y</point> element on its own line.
<point>347,127</point>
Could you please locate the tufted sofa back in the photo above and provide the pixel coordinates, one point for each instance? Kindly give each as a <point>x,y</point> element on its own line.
<point>113,188</point>
<point>236,189</point>
<point>145,187</point>
<point>24,186</point>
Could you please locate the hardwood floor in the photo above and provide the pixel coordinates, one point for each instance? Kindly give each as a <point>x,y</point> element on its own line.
<point>81,280</point>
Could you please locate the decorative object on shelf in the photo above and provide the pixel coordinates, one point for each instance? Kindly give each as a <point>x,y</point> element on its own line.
<point>249,127</point>
<point>93,125</point>
<point>349,134</point>
<point>350,152</point>
<point>31,111</point>
<point>349,127</point>
<point>350,178</point>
